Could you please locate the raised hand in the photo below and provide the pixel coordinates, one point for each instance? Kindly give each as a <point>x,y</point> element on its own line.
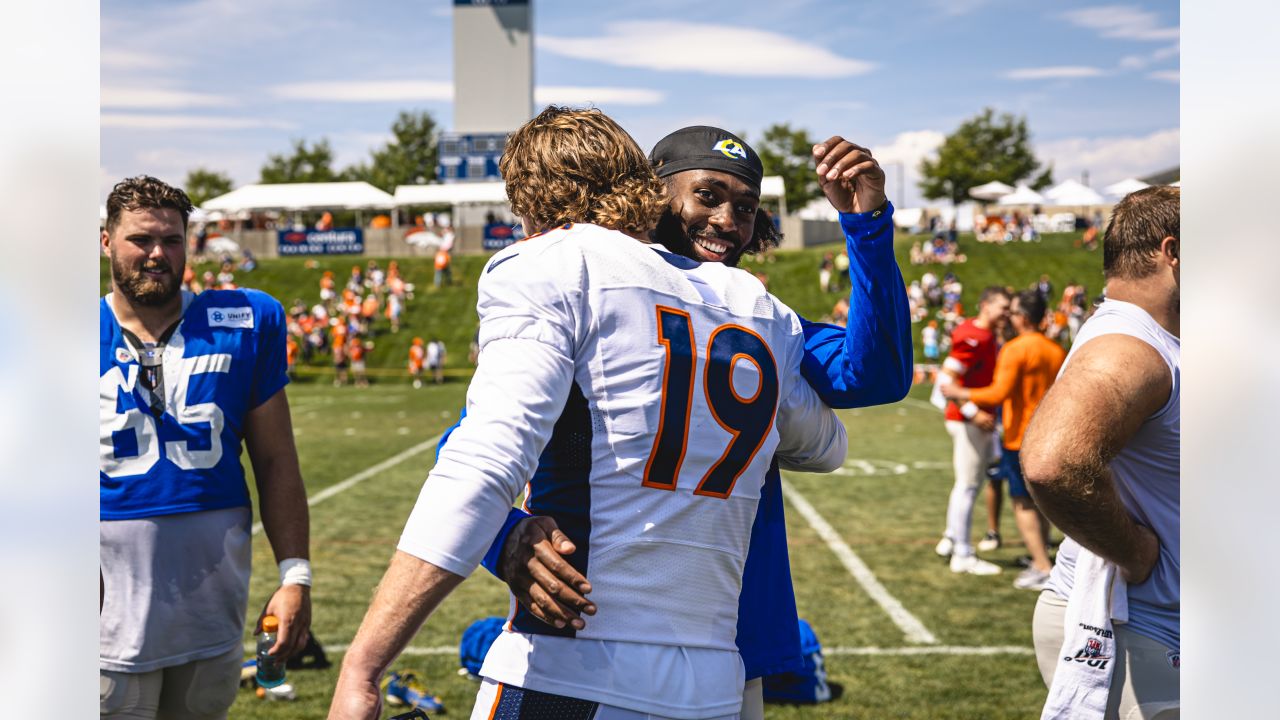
<point>852,180</point>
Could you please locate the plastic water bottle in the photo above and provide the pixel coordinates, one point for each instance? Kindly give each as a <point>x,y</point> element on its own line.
<point>270,667</point>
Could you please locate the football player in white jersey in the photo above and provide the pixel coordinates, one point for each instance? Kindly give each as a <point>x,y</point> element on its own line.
<point>661,388</point>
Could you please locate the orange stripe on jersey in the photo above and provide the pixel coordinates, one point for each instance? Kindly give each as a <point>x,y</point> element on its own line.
<point>565,226</point>
<point>496,700</point>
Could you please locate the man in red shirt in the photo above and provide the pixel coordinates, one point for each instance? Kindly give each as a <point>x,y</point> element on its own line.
<point>971,363</point>
<point>1027,366</point>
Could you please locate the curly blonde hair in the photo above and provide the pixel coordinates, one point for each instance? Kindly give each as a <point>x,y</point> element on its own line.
<point>568,165</point>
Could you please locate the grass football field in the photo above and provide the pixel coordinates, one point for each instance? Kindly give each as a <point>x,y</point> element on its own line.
<point>886,507</point>
<point>906,638</point>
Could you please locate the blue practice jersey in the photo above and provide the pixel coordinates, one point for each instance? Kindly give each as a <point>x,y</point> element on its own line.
<point>867,362</point>
<point>180,452</point>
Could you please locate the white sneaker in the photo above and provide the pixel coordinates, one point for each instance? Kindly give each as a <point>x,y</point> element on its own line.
<point>1031,579</point>
<point>973,565</point>
<point>944,547</point>
<point>989,542</point>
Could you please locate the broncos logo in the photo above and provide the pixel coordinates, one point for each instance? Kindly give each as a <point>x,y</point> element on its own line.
<point>731,148</point>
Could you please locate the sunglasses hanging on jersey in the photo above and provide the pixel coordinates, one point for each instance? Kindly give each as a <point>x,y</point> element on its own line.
<point>151,365</point>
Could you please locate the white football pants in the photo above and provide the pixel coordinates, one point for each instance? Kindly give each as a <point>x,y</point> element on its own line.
<point>973,449</point>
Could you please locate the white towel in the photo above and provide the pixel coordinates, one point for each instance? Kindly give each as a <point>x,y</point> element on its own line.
<point>1082,681</point>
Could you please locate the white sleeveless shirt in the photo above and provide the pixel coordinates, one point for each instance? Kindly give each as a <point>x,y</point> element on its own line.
<point>1147,478</point>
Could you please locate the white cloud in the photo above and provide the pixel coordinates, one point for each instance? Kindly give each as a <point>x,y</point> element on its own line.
<point>153,98</point>
<point>704,48</point>
<point>572,95</point>
<point>1138,62</point>
<point>1121,21</point>
<point>366,90</point>
<point>1172,76</point>
<point>901,162</point>
<point>350,148</point>
<point>1111,159</point>
<point>1054,73</point>
<point>139,121</point>
<point>956,8</point>
<point>134,60</point>
<point>910,147</point>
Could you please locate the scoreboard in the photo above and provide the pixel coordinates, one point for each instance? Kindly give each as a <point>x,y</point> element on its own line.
<point>470,157</point>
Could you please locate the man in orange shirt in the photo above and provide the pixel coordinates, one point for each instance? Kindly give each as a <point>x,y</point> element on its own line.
<point>356,351</point>
<point>417,356</point>
<point>339,346</point>
<point>1025,368</point>
<point>291,354</point>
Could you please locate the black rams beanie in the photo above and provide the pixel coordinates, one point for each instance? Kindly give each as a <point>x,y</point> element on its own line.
<point>706,148</point>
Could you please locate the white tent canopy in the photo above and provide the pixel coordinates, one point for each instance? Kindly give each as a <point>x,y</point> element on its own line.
<point>819,209</point>
<point>484,193</point>
<point>1072,192</point>
<point>1022,196</point>
<point>993,190</point>
<point>302,196</point>
<point>1124,187</point>
<point>463,193</point>
<point>772,187</point>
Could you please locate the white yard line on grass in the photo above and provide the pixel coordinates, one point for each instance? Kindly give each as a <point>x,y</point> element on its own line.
<point>838,650</point>
<point>908,623</point>
<point>365,474</point>
<point>931,650</point>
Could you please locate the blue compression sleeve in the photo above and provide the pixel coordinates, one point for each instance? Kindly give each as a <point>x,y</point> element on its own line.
<point>869,361</point>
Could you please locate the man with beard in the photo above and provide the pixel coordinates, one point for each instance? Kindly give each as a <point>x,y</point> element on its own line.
<point>713,178</point>
<point>182,378</point>
<point>1101,458</point>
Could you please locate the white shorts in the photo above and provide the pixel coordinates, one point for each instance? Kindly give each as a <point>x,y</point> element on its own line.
<point>199,690</point>
<point>1145,681</point>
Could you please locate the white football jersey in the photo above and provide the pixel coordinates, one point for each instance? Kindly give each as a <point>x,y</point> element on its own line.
<point>641,397</point>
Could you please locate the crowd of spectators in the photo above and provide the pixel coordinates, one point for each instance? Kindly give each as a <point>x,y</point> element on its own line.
<point>935,302</point>
<point>941,250</point>
<point>1006,228</point>
<point>345,321</point>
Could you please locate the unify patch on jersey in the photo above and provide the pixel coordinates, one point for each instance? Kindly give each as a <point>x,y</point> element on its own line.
<point>237,317</point>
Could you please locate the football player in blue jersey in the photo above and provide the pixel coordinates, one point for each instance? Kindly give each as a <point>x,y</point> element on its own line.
<point>183,379</point>
<point>713,178</point>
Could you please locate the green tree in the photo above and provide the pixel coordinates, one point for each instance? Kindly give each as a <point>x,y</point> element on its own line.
<point>982,149</point>
<point>202,184</point>
<point>302,164</point>
<point>409,159</point>
<point>789,153</point>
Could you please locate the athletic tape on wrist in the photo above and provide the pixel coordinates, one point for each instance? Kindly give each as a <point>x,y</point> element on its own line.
<point>295,571</point>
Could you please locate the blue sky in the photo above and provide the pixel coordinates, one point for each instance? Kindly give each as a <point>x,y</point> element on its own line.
<point>222,83</point>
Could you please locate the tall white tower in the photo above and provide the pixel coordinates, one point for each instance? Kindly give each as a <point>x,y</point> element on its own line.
<point>492,65</point>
